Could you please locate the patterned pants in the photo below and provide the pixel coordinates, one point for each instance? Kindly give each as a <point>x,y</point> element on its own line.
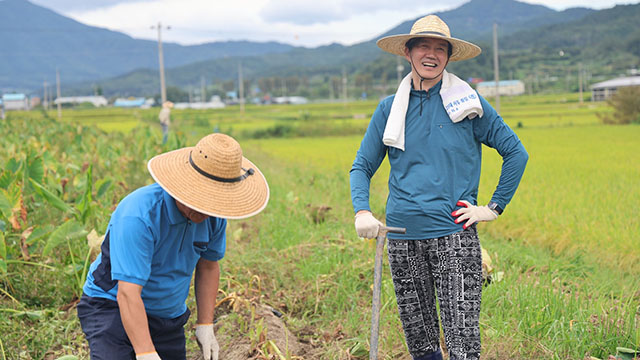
<point>450,266</point>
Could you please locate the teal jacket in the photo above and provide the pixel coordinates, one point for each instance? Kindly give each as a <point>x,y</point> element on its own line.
<point>440,165</point>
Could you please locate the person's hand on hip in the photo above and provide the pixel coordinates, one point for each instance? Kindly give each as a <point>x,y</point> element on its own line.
<point>207,341</point>
<point>472,214</point>
<point>148,356</point>
<point>367,225</point>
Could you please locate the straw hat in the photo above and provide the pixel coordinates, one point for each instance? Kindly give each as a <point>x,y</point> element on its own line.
<point>212,178</point>
<point>430,26</point>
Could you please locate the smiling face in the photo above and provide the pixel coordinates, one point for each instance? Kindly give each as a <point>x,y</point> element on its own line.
<point>190,214</point>
<point>428,58</point>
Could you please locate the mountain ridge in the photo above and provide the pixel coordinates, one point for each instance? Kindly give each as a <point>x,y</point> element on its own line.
<point>523,29</point>
<point>37,40</point>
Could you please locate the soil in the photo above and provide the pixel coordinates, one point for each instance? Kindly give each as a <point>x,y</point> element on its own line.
<point>237,346</point>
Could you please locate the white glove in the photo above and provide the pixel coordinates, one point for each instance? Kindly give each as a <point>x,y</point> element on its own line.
<point>366,225</point>
<point>148,356</point>
<point>207,341</point>
<point>473,214</point>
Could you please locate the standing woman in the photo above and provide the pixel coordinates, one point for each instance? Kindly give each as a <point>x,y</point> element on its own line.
<point>433,130</point>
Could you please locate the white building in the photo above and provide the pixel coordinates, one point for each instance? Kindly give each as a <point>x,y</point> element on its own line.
<point>505,87</point>
<point>603,90</point>
<point>97,101</point>
<point>294,100</point>
<point>15,102</point>
<point>214,103</point>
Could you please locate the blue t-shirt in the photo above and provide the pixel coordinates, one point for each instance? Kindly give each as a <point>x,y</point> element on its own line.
<point>150,243</point>
<point>440,165</point>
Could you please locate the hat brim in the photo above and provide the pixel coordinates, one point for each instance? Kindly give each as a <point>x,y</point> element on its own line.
<point>237,200</point>
<point>462,50</point>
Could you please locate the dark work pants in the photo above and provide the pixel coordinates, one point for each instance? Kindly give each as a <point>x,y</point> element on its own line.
<point>451,267</point>
<point>102,326</point>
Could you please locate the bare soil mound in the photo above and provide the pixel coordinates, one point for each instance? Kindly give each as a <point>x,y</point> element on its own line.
<point>274,341</point>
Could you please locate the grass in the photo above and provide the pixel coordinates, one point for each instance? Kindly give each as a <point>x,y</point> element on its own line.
<point>566,245</point>
<point>568,290</point>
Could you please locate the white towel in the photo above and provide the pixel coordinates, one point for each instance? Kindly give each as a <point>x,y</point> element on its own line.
<point>458,99</point>
<point>394,130</point>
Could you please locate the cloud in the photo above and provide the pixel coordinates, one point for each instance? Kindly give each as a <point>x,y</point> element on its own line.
<point>327,11</point>
<point>296,22</point>
<point>75,5</point>
<point>198,21</point>
<point>296,12</point>
<point>592,4</point>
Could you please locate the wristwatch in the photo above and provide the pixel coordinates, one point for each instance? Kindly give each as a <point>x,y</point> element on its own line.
<point>495,207</point>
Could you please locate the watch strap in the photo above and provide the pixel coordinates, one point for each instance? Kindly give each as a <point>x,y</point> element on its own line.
<point>495,207</point>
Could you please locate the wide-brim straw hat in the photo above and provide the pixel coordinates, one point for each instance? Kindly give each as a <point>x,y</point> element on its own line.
<point>430,26</point>
<point>212,178</point>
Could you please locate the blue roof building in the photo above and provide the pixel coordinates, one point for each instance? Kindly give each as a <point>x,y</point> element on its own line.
<point>15,102</point>
<point>129,103</point>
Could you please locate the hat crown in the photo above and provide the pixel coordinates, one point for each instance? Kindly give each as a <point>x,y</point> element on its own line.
<point>430,24</point>
<point>218,155</point>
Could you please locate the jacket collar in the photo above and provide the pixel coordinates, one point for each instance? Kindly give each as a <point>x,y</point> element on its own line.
<point>432,91</point>
<point>175,216</point>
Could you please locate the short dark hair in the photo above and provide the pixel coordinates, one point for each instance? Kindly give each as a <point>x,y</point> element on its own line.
<point>411,43</point>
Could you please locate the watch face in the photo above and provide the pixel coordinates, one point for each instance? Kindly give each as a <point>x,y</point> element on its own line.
<point>494,206</point>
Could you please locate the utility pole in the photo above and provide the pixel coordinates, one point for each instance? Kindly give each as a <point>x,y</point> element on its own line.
<point>581,79</point>
<point>50,94</point>
<point>203,95</point>
<point>331,96</point>
<point>241,88</point>
<point>399,69</point>
<point>496,68</point>
<point>163,89</point>
<point>344,84</point>
<point>58,94</point>
<point>45,103</point>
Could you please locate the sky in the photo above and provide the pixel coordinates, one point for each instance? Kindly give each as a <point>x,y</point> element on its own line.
<point>296,22</point>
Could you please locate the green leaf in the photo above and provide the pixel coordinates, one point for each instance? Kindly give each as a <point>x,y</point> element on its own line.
<point>84,206</point>
<point>626,353</point>
<point>6,178</point>
<point>3,225</point>
<point>51,198</point>
<point>68,357</point>
<point>13,165</point>
<point>3,266</point>
<point>34,315</point>
<point>35,169</point>
<point>359,350</point>
<point>103,186</point>
<point>68,231</point>
<point>3,247</point>
<point>5,204</point>
<point>38,233</point>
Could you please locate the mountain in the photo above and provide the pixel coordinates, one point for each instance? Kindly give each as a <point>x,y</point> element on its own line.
<point>321,61</point>
<point>532,41</point>
<point>474,20</point>
<point>35,41</point>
